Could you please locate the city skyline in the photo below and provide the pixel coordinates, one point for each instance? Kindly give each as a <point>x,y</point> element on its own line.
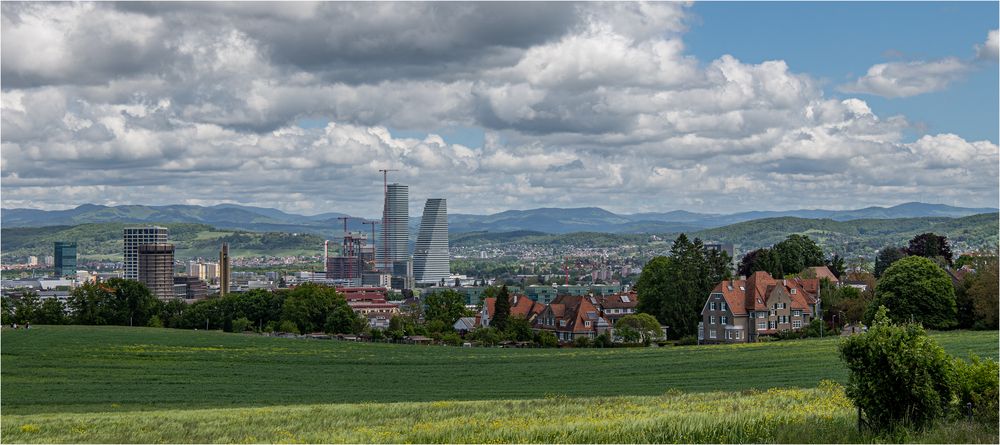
<point>630,107</point>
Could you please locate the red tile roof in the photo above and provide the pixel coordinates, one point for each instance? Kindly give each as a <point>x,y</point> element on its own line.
<point>751,294</point>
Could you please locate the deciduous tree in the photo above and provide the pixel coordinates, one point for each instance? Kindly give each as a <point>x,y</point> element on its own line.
<point>916,288</point>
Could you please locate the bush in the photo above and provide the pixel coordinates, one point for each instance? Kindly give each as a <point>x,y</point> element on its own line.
<point>452,339</point>
<point>897,374</point>
<point>377,335</point>
<point>486,336</point>
<point>581,342</point>
<point>270,326</point>
<point>687,341</point>
<point>241,324</point>
<point>154,322</point>
<point>602,341</point>
<point>976,382</point>
<point>546,339</point>
<point>288,326</point>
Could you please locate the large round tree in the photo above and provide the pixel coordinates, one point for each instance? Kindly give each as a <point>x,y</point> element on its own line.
<point>916,288</point>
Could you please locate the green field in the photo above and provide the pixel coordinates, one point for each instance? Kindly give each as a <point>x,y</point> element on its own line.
<point>89,384</point>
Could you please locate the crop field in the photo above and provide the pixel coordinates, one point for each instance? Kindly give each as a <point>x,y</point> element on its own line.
<point>117,384</point>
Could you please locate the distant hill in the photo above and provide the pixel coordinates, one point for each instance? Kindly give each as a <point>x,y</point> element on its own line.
<point>856,237</point>
<point>547,220</point>
<point>103,241</point>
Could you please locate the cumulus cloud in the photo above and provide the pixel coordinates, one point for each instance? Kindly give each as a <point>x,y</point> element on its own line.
<point>989,49</point>
<point>580,104</point>
<point>905,79</point>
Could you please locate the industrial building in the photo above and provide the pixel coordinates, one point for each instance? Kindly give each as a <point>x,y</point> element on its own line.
<point>156,269</point>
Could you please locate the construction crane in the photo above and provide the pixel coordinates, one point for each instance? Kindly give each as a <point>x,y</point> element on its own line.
<point>386,261</point>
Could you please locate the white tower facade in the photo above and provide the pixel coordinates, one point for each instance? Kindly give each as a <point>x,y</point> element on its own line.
<point>396,225</point>
<point>430,255</point>
<point>133,237</point>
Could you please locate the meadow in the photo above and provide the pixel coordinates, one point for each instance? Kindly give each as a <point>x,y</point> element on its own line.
<point>119,384</point>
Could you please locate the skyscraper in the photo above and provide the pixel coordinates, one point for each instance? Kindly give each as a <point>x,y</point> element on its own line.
<point>134,237</point>
<point>65,258</point>
<point>156,269</point>
<point>395,225</point>
<point>224,272</point>
<point>430,255</point>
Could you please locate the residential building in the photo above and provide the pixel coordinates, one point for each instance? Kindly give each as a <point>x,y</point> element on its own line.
<point>32,260</point>
<point>134,237</point>
<point>520,306</point>
<point>571,316</point>
<point>65,258</point>
<point>156,269</point>
<point>616,306</point>
<point>740,311</point>
<point>430,254</point>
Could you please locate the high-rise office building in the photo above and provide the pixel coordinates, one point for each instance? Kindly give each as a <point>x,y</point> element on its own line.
<point>134,237</point>
<point>430,254</point>
<point>156,269</point>
<point>65,258</point>
<point>395,225</point>
<point>224,272</point>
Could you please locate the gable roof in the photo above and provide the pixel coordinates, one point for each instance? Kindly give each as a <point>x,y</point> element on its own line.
<point>821,272</point>
<point>744,296</point>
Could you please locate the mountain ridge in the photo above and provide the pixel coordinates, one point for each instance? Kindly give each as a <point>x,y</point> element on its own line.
<point>546,219</point>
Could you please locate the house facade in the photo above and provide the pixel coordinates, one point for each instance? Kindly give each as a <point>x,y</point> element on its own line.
<point>740,311</point>
<point>572,316</point>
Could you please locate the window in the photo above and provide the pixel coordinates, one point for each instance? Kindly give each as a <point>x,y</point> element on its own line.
<point>729,335</point>
<point>797,324</point>
<point>760,314</point>
<point>562,323</point>
<point>770,324</point>
<point>762,325</point>
<point>711,320</point>
<point>711,306</point>
<point>738,335</point>
<point>796,313</point>
<point>722,305</point>
<point>711,334</point>
<point>625,299</point>
<point>586,324</point>
<point>723,319</point>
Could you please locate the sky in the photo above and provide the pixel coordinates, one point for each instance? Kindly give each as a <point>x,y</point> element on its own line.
<point>632,107</point>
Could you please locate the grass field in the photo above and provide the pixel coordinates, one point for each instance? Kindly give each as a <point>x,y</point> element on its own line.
<point>99,384</point>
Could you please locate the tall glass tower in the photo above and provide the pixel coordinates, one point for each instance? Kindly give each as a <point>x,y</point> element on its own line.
<point>430,255</point>
<point>65,258</point>
<point>396,225</point>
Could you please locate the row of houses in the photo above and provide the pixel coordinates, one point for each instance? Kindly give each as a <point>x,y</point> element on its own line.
<point>742,311</point>
<point>566,316</point>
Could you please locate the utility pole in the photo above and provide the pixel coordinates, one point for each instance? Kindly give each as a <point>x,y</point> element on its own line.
<point>386,262</point>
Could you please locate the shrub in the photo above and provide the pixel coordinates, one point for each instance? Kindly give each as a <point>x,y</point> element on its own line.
<point>241,324</point>
<point>581,342</point>
<point>452,338</point>
<point>154,322</point>
<point>687,341</point>
<point>976,382</point>
<point>486,336</point>
<point>897,374</point>
<point>377,335</point>
<point>288,326</point>
<point>270,326</point>
<point>546,339</point>
<point>602,341</point>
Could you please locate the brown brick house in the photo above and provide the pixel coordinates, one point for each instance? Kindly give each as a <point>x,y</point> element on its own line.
<point>572,316</point>
<point>739,311</point>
